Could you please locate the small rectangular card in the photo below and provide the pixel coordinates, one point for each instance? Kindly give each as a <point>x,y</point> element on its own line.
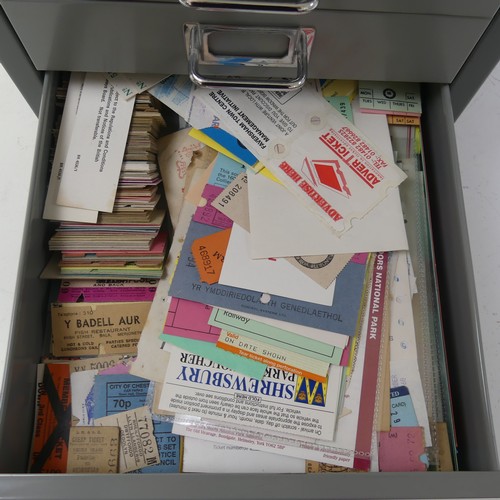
<point>101,290</point>
<point>390,98</point>
<point>233,201</point>
<point>209,253</point>
<point>92,329</point>
<point>49,449</point>
<point>402,450</point>
<point>402,410</point>
<point>52,210</point>
<point>276,357</point>
<point>93,450</point>
<point>224,172</point>
<point>138,446</point>
<point>95,153</point>
<point>190,320</point>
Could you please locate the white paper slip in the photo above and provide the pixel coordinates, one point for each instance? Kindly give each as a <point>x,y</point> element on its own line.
<point>295,404</point>
<point>280,227</point>
<point>53,211</point>
<point>82,397</point>
<point>276,277</point>
<point>403,345</point>
<point>95,154</point>
<point>205,456</point>
<point>131,84</point>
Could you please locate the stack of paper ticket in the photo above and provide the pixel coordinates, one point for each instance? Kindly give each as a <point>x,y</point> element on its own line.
<point>105,185</point>
<point>280,337</point>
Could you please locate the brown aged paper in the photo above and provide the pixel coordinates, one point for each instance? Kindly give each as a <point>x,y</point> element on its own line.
<point>138,446</point>
<point>80,329</point>
<point>93,450</point>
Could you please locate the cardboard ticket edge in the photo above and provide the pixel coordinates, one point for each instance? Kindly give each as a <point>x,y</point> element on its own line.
<point>369,387</point>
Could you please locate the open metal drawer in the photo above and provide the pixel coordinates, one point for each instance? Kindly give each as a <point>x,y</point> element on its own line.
<point>459,47</point>
<point>479,475</point>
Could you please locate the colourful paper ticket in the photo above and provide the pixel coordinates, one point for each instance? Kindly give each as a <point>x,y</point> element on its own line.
<point>209,253</point>
<point>122,392</point>
<point>402,410</point>
<point>402,450</point>
<point>277,357</point>
<point>107,290</point>
<point>207,213</point>
<point>189,319</point>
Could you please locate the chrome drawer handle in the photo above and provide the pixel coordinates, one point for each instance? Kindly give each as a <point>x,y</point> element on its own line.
<point>295,60</point>
<point>270,6</point>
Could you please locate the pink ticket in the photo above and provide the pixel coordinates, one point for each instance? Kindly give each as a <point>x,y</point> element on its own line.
<point>209,215</point>
<point>359,258</point>
<point>190,320</point>
<point>107,290</point>
<point>402,450</point>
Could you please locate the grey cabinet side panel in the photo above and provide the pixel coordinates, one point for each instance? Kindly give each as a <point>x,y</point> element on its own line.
<point>476,69</point>
<point>29,315</point>
<point>475,434</point>
<point>18,65</point>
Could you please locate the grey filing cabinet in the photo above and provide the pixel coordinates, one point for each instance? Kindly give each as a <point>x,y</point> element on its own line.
<point>447,45</point>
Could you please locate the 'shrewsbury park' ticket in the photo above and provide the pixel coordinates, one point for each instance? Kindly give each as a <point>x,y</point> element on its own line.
<point>341,317</point>
<point>318,155</point>
<point>280,401</point>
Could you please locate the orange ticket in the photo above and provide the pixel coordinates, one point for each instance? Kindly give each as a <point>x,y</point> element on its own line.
<point>49,451</point>
<point>208,253</point>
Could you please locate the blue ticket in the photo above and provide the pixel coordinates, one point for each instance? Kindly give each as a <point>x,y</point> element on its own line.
<point>118,393</point>
<point>224,172</point>
<point>232,144</point>
<point>402,410</point>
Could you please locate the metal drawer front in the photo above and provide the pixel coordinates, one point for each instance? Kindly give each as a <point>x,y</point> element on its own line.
<point>148,37</point>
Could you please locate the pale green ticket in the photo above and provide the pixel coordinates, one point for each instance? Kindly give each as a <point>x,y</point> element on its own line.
<point>235,322</point>
<point>209,351</point>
